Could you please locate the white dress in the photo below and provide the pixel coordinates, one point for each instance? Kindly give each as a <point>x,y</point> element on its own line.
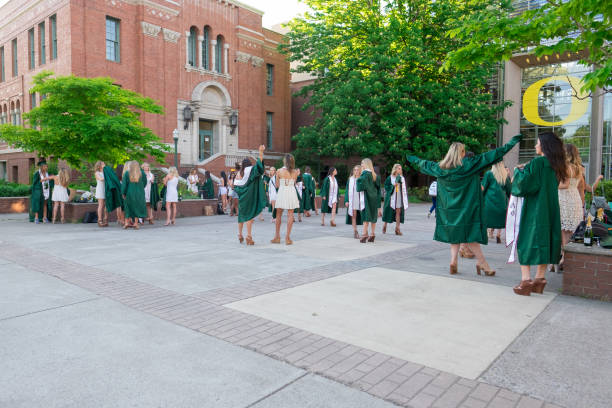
<point>150,180</point>
<point>287,196</point>
<point>570,206</point>
<point>192,181</point>
<point>100,192</point>
<point>60,193</point>
<point>171,190</point>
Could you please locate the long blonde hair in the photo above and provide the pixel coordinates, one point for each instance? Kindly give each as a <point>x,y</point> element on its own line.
<point>172,171</point>
<point>134,170</point>
<point>367,164</point>
<point>396,166</point>
<point>499,172</point>
<point>64,177</point>
<point>454,156</point>
<point>573,160</point>
<point>98,165</point>
<point>356,169</point>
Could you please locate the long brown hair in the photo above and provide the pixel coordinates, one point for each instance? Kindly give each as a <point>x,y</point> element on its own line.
<point>246,162</point>
<point>289,162</point>
<point>574,162</point>
<point>552,147</point>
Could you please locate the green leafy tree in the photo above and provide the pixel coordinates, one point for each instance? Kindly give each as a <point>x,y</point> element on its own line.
<point>84,120</point>
<point>555,27</point>
<point>379,91</point>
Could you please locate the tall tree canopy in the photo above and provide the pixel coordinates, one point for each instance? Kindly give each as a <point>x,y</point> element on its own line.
<point>86,119</point>
<point>550,27</point>
<point>379,90</point>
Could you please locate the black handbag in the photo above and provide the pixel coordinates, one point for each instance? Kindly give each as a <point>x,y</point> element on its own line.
<point>90,217</point>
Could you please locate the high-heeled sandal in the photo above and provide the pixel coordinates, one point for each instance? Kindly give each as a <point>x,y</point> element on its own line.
<point>249,240</point>
<point>489,272</point>
<point>332,224</point>
<point>453,269</point>
<point>398,232</point>
<point>240,238</point>
<point>288,241</point>
<point>63,220</point>
<point>498,239</point>
<point>364,239</point>
<point>275,241</point>
<point>151,221</point>
<point>464,254</point>
<point>384,229</point>
<point>355,235</point>
<point>136,226</point>
<point>126,226</point>
<point>371,238</point>
<point>538,285</point>
<point>524,288</point>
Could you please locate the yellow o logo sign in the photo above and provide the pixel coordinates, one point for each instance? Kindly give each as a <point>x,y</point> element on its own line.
<point>532,94</point>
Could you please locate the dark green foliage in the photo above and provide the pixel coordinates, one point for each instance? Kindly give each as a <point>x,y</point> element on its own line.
<point>14,189</point>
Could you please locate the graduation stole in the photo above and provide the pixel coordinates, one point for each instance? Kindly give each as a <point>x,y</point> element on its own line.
<point>353,195</point>
<point>45,185</point>
<point>396,191</point>
<point>245,178</point>
<point>332,198</point>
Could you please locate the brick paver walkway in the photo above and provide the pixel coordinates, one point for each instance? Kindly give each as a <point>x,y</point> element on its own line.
<point>401,382</point>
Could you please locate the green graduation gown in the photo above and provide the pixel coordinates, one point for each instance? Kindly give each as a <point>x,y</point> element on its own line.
<point>112,190</point>
<point>135,205</point>
<point>251,195</point>
<point>539,240</point>
<point>349,217</point>
<point>325,208</point>
<point>459,215</point>
<point>155,198</point>
<point>495,200</point>
<point>37,198</point>
<point>209,189</point>
<point>301,196</point>
<point>309,192</point>
<point>388,212</point>
<point>371,188</point>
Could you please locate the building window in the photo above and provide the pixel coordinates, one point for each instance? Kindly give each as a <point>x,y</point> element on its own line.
<point>41,43</point>
<point>219,54</point>
<point>193,40</point>
<point>269,129</point>
<point>270,79</point>
<point>32,101</point>
<point>53,23</point>
<point>2,64</point>
<point>31,48</point>
<point>206,49</point>
<point>112,39</point>
<point>15,66</point>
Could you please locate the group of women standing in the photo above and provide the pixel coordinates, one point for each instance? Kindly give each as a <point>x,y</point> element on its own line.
<point>49,194</point>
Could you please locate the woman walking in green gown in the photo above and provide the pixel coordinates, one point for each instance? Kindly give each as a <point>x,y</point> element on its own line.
<point>329,197</point>
<point>539,238</point>
<point>496,188</point>
<point>249,186</point>
<point>133,190</point>
<point>370,185</point>
<point>396,199</point>
<point>459,214</point>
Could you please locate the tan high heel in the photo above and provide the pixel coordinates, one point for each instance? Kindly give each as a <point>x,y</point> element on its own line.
<point>538,285</point>
<point>364,239</point>
<point>524,288</point>
<point>453,269</point>
<point>240,238</point>
<point>489,272</point>
<point>275,241</point>
<point>249,240</point>
<point>288,241</point>
<point>398,232</point>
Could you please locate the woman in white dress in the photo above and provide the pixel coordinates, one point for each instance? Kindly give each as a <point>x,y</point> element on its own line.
<point>101,194</point>
<point>354,201</point>
<point>150,180</point>
<point>223,190</point>
<point>171,182</point>
<point>192,181</point>
<point>60,193</point>
<point>570,202</point>
<point>286,197</point>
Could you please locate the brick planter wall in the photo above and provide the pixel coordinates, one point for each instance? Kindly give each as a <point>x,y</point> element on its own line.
<point>340,202</point>
<point>186,208</point>
<point>14,205</point>
<point>588,272</point>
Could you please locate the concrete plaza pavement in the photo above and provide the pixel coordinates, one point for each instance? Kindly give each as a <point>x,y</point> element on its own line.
<point>184,316</point>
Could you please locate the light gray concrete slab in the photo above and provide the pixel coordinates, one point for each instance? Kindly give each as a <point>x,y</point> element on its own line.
<point>314,391</point>
<point>23,291</point>
<point>101,354</point>
<point>452,325</point>
<point>564,357</point>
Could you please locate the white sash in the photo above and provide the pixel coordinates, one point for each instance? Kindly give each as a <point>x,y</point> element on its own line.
<point>298,187</point>
<point>394,194</point>
<point>45,185</point>
<point>333,192</point>
<point>245,178</point>
<point>513,221</point>
<point>353,195</point>
<point>272,191</point>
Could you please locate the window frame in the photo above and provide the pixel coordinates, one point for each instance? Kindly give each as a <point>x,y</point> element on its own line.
<point>269,130</point>
<point>206,48</point>
<point>116,42</point>
<point>53,42</point>
<point>31,48</point>
<point>270,79</point>
<point>192,57</point>
<point>219,55</point>
<point>15,59</point>
<point>2,64</point>
<point>42,46</point>
<point>32,100</point>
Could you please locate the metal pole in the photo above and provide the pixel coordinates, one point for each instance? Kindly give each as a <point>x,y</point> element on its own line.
<point>176,153</point>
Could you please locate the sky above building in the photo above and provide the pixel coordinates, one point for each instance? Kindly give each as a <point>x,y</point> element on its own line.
<point>276,11</point>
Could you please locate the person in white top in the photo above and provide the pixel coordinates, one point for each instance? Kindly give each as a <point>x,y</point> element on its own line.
<point>272,189</point>
<point>192,181</point>
<point>286,198</point>
<point>60,193</point>
<point>171,182</point>
<point>150,180</point>
<point>355,201</point>
<point>101,193</point>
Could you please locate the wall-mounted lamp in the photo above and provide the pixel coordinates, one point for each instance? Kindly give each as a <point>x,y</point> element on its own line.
<point>187,116</point>
<point>233,122</point>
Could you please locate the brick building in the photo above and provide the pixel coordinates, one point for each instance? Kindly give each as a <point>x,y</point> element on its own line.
<point>209,63</point>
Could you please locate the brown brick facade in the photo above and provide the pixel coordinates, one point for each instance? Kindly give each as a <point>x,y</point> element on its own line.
<point>153,60</point>
<point>587,272</point>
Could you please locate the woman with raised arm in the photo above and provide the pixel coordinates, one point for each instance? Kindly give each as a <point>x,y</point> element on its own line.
<point>539,237</point>
<point>459,214</point>
<point>286,198</point>
<point>249,187</point>
<point>396,199</point>
<point>369,184</point>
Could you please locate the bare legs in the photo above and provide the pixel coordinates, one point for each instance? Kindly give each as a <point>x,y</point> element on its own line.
<point>62,207</point>
<point>249,238</point>
<point>365,237</point>
<point>333,215</point>
<point>279,221</point>
<point>476,249</point>
<point>170,213</point>
<point>55,206</point>
<point>398,217</point>
<point>354,222</point>
<point>565,239</point>
<point>224,201</point>
<point>149,213</point>
<point>454,253</point>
